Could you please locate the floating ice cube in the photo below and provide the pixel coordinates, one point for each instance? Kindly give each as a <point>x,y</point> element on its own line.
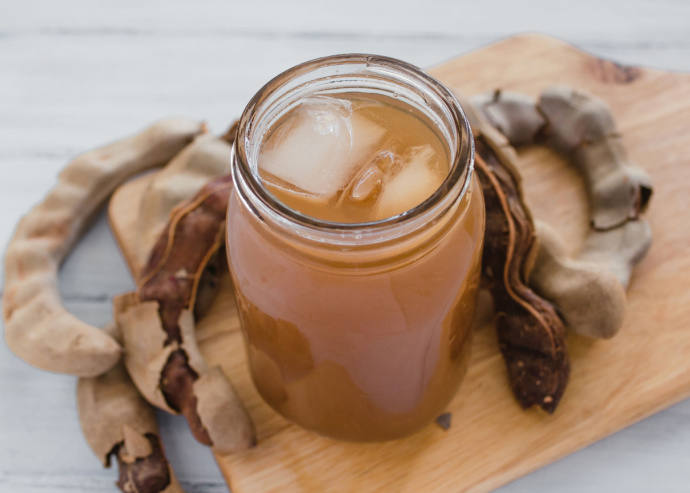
<point>411,185</point>
<point>321,146</point>
<point>294,197</point>
<point>366,184</point>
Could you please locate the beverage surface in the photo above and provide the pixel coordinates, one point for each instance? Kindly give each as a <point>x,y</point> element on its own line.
<point>352,158</point>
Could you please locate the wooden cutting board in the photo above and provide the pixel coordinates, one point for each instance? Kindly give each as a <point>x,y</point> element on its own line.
<point>615,383</point>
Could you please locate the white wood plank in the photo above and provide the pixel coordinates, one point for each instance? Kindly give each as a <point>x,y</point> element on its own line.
<point>612,21</point>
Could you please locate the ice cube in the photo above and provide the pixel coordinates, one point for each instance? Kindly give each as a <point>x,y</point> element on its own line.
<point>321,147</point>
<point>367,183</point>
<point>411,185</point>
<point>294,197</point>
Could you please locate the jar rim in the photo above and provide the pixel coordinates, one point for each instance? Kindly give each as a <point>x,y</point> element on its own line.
<point>461,163</point>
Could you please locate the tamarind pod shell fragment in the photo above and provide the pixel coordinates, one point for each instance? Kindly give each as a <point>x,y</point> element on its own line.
<point>222,413</point>
<point>116,420</point>
<point>108,402</point>
<point>38,329</point>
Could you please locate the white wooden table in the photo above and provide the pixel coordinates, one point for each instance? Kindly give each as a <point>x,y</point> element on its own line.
<point>75,74</point>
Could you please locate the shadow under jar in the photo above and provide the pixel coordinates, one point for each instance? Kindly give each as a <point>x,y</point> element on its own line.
<point>359,331</point>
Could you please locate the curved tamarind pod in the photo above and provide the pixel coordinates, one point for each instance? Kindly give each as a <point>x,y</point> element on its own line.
<point>116,420</point>
<point>589,296</point>
<point>205,158</point>
<point>571,284</point>
<point>582,126</point>
<point>161,351</point>
<point>37,327</point>
<point>531,335</point>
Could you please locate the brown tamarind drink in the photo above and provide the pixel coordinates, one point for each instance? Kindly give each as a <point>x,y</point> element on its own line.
<point>354,240</point>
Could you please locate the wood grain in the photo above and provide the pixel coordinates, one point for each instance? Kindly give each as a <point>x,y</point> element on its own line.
<point>614,383</point>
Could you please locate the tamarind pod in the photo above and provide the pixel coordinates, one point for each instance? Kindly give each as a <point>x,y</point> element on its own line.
<point>38,329</point>
<point>161,351</point>
<point>205,158</point>
<point>116,420</point>
<point>582,126</point>
<point>530,333</point>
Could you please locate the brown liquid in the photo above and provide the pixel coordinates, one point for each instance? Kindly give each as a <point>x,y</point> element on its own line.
<point>359,351</point>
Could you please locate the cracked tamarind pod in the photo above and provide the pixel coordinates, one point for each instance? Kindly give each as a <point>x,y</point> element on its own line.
<point>117,421</point>
<point>205,158</point>
<point>530,333</point>
<point>162,355</point>
<point>589,289</point>
<point>38,329</point>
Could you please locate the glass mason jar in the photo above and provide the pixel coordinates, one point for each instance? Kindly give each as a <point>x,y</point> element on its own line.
<point>358,331</point>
